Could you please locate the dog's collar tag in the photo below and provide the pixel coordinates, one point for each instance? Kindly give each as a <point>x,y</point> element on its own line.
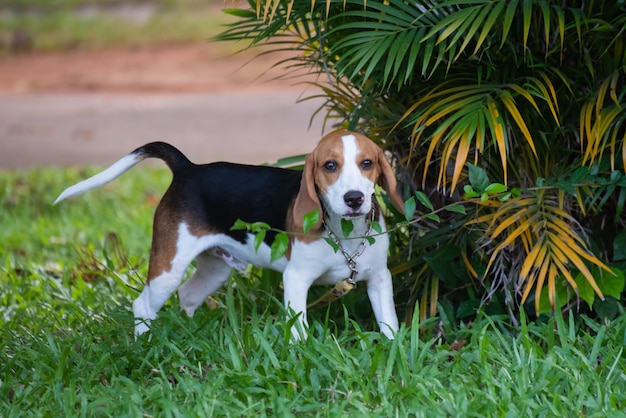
<point>353,273</point>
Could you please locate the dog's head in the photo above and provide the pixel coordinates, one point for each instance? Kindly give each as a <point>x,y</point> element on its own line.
<point>340,175</point>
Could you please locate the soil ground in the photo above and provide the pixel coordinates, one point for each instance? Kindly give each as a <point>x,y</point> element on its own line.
<point>92,107</point>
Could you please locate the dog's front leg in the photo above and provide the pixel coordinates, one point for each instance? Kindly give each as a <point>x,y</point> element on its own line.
<point>296,288</point>
<point>380,293</point>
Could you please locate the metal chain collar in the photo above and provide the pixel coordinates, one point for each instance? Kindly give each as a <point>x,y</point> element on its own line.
<point>351,259</point>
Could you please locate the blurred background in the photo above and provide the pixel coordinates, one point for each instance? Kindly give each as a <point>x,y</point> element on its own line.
<point>85,81</point>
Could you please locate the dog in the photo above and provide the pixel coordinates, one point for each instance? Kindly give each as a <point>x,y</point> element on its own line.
<point>194,219</point>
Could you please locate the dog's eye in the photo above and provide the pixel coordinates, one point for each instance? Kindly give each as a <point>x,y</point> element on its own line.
<point>367,164</point>
<point>330,166</point>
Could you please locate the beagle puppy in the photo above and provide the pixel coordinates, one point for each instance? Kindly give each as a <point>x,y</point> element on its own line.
<point>194,219</point>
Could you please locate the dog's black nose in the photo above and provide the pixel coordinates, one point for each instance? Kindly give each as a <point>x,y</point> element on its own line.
<point>354,199</point>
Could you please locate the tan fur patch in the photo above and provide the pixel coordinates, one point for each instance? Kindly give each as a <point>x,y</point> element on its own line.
<point>330,148</point>
<point>164,240</point>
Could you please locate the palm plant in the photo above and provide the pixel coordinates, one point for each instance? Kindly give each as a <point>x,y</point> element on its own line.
<point>513,108</point>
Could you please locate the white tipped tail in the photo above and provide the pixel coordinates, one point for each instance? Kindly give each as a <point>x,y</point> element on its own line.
<point>103,177</point>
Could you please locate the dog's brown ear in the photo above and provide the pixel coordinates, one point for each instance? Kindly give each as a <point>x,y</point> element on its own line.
<point>307,199</point>
<point>387,180</point>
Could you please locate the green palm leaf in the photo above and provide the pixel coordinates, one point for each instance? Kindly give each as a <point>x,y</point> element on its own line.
<point>381,35</point>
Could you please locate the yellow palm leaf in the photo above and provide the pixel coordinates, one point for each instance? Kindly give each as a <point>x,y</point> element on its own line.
<point>468,265</point>
<point>434,296</point>
<point>552,274</point>
<point>613,144</point>
<point>553,102</point>
<point>423,306</point>
<point>447,153</point>
<point>512,236</point>
<point>524,93</point>
<point>560,262</point>
<point>583,252</point>
<point>572,252</point>
<point>509,221</point>
<point>563,228</point>
<point>509,103</point>
<point>454,103</point>
<point>461,158</point>
<point>586,113</point>
<point>499,134</point>
<point>534,259</point>
<point>511,205</point>
<point>604,87</point>
<point>490,217</point>
<point>541,278</point>
<point>613,87</point>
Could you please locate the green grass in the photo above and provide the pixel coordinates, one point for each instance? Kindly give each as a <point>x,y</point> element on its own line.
<point>69,274</point>
<point>59,27</point>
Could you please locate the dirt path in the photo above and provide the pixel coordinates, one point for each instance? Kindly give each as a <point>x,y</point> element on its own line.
<point>80,108</point>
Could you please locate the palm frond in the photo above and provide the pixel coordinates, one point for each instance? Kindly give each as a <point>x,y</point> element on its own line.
<point>468,117</point>
<point>382,37</point>
<point>554,247</point>
<point>473,24</point>
<point>603,121</point>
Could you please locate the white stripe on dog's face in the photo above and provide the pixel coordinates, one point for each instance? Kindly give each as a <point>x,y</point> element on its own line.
<point>353,169</point>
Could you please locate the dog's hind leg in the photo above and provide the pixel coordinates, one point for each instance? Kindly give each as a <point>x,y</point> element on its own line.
<point>170,256</point>
<point>211,273</point>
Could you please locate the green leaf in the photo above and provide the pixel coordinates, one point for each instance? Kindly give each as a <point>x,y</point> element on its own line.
<point>346,227</point>
<point>457,209</point>
<point>240,13</point>
<point>258,239</point>
<point>376,227</point>
<point>444,261</point>
<point>619,247</point>
<point>279,246</point>
<point>616,175</point>
<point>240,225</point>
<point>468,308</point>
<point>432,216</point>
<point>495,188</point>
<point>607,309</point>
<point>409,208</point>
<point>332,244</point>
<point>294,161</point>
<point>585,291</point>
<point>505,197</point>
<point>567,186</point>
<point>562,295</point>
<point>478,178</point>
<point>258,226</point>
<point>527,8</point>
<point>310,219</point>
<point>621,201</point>
<point>610,284</point>
<point>423,199</point>
<point>371,240</point>
<point>469,191</point>
<point>509,16</point>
